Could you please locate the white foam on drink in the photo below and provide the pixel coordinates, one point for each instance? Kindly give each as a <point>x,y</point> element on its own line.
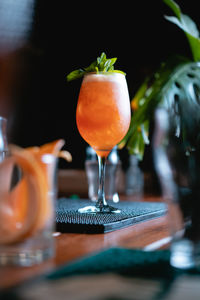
<point>114,76</point>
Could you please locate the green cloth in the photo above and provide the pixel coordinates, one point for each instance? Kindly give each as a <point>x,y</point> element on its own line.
<point>151,271</point>
<point>119,260</point>
<point>138,264</point>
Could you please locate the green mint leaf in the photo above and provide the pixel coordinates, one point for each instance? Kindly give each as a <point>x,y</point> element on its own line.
<point>102,59</point>
<point>91,67</point>
<point>108,66</point>
<point>113,61</point>
<point>75,74</point>
<point>101,64</point>
<point>117,71</point>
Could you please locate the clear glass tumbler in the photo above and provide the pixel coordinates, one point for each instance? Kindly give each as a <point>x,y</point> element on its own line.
<point>27,194</point>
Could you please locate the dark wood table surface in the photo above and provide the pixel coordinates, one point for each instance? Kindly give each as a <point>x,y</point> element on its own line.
<point>71,246</point>
<point>149,235</point>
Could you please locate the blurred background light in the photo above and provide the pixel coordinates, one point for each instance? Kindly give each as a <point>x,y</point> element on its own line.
<point>16,17</point>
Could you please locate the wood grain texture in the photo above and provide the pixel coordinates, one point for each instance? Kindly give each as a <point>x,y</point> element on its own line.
<point>71,246</point>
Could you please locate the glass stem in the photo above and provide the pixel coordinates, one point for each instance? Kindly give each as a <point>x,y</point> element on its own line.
<point>101,193</point>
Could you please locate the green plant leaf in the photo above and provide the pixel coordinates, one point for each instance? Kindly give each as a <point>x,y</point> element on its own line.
<point>194,46</point>
<point>174,7</point>
<point>177,78</point>
<point>181,96</point>
<point>188,26</point>
<point>149,95</point>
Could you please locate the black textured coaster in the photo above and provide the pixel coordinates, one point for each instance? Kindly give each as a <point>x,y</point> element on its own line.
<point>68,219</point>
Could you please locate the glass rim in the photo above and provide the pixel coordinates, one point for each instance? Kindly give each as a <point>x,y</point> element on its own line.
<point>105,73</point>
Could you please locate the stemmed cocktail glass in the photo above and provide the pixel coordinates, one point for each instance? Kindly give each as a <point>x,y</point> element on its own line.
<point>103,118</point>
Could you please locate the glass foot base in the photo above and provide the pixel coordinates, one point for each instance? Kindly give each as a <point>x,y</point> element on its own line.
<point>95,209</point>
<point>28,253</point>
<point>25,259</point>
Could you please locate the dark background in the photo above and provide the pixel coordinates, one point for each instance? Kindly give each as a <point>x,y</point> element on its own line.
<point>66,35</point>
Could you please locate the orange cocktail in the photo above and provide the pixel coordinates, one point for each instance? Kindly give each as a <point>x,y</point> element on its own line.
<point>103,110</point>
<point>103,118</point>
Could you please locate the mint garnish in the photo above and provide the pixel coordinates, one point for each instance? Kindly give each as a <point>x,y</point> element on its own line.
<point>101,64</point>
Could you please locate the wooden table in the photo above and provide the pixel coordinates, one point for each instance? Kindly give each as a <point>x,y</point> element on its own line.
<point>71,246</point>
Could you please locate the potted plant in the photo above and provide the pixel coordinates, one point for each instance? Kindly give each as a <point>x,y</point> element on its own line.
<point>172,81</point>
<point>170,99</point>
